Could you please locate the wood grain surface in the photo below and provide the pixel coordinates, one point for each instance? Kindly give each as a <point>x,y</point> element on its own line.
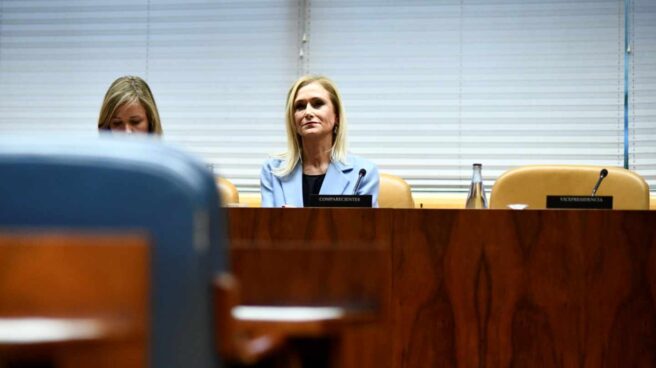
<point>304,256</point>
<point>66,276</point>
<point>463,288</point>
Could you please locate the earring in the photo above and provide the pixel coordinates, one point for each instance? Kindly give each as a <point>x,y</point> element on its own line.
<point>335,130</point>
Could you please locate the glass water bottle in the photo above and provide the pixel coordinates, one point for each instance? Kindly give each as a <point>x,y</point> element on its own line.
<point>476,197</point>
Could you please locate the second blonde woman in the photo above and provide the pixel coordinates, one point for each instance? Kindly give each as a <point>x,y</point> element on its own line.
<point>129,107</point>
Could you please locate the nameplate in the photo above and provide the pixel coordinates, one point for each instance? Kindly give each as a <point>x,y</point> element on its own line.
<point>339,200</point>
<point>596,202</point>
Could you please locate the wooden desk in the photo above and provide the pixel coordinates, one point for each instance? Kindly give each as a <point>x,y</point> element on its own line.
<point>74,300</point>
<point>466,288</point>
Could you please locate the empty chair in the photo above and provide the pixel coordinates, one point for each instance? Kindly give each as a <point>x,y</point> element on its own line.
<point>394,192</point>
<point>530,185</point>
<point>111,185</point>
<point>228,191</point>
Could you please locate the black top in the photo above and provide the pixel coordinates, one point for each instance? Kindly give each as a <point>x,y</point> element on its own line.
<point>311,185</point>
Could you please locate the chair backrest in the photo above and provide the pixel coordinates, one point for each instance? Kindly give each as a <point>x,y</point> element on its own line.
<point>250,199</point>
<point>394,192</point>
<point>112,184</point>
<point>228,191</point>
<point>531,184</point>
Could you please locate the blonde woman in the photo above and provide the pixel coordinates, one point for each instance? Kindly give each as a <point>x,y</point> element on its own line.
<point>129,107</point>
<point>316,161</point>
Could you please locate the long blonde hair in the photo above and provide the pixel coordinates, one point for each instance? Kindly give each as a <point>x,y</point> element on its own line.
<point>125,90</point>
<point>338,150</point>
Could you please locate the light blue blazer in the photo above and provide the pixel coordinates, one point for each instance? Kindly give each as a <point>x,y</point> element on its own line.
<point>340,179</point>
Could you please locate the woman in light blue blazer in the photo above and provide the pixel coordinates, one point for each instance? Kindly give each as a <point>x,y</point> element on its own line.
<point>316,161</point>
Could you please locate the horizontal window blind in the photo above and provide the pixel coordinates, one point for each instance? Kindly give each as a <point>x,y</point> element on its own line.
<point>642,91</point>
<point>219,71</point>
<point>57,59</point>
<point>434,86</point>
<point>430,86</point>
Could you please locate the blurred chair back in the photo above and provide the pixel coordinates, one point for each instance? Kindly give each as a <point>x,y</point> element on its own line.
<point>112,184</point>
<point>530,185</point>
<point>394,192</point>
<point>228,191</point>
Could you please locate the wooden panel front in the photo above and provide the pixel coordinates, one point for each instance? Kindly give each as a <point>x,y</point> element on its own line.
<point>72,276</point>
<point>318,257</point>
<point>525,288</point>
<point>467,288</point>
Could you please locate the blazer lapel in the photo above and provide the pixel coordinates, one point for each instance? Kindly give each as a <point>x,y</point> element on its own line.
<point>336,180</point>
<point>292,187</point>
